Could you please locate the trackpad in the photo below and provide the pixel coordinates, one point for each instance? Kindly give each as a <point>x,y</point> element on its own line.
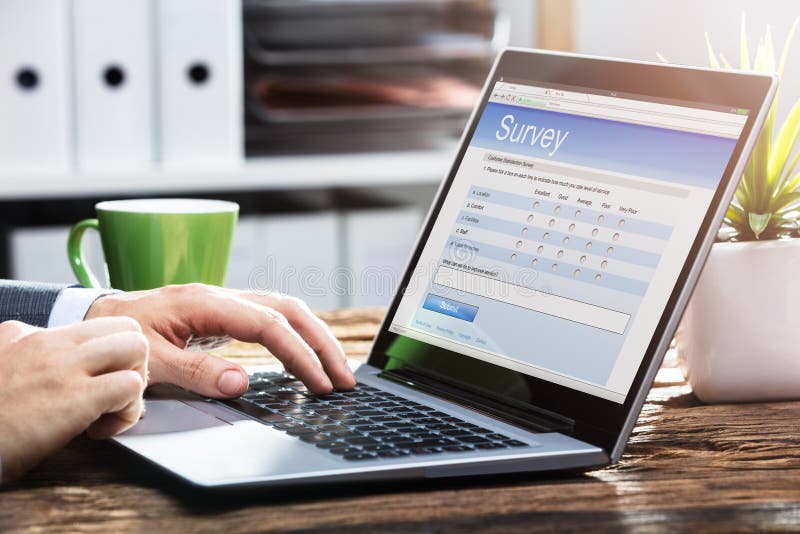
<point>164,416</point>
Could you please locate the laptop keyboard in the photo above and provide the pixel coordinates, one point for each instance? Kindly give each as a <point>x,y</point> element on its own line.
<point>362,424</point>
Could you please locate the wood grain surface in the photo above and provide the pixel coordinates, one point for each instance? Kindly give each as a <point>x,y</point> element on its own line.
<point>689,466</point>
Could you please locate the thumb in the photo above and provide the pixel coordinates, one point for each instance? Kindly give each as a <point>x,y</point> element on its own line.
<point>196,371</point>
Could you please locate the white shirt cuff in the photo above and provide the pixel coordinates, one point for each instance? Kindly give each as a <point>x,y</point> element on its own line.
<point>72,304</point>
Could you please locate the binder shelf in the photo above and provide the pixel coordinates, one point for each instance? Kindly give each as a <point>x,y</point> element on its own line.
<point>367,169</point>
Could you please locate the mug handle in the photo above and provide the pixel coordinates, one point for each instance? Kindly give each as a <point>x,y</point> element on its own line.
<point>75,253</point>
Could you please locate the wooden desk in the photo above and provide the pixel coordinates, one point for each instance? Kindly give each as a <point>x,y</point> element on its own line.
<point>688,466</point>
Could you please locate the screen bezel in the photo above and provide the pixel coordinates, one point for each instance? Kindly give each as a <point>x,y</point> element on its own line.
<point>597,420</point>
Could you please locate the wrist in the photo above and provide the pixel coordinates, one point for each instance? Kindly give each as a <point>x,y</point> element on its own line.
<point>96,308</point>
<point>103,306</point>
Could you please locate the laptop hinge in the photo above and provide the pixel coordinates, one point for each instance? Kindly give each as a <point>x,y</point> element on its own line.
<point>508,410</point>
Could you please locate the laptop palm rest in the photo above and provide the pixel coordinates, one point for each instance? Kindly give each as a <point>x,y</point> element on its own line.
<point>164,416</point>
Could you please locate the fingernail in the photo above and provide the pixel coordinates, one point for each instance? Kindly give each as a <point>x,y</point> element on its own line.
<point>232,383</point>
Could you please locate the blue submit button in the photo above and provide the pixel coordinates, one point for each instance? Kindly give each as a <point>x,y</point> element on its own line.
<point>453,308</point>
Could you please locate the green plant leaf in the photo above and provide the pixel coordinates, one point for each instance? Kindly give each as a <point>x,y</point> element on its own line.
<point>735,215</point>
<point>786,45</point>
<point>758,222</point>
<point>793,183</point>
<point>744,49</point>
<point>712,57</point>
<point>785,173</point>
<point>742,196</point>
<point>769,51</point>
<point>784,143</point>
<point>784,201</point>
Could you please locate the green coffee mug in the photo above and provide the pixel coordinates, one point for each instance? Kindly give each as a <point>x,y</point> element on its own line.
<point>150,243</point>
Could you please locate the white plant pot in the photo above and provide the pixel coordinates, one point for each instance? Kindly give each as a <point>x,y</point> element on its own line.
<point>739,339</point>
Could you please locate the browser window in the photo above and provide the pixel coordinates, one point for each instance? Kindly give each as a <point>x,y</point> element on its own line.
<point>565,230</point>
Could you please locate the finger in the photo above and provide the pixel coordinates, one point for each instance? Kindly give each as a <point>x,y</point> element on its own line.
<point>115,352</point>
<point>227,314</point>
<point>117,398</point>
<point>196,371</point>
<point>102,326</point>
<point>315,332</point>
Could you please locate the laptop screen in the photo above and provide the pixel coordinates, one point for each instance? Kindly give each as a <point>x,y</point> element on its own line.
<point>564,231</point>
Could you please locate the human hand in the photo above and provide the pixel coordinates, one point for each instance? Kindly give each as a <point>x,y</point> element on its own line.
<point>171,315</point>
<point>56,383</point>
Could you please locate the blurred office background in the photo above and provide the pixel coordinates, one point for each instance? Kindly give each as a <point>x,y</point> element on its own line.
<point>331,122</point>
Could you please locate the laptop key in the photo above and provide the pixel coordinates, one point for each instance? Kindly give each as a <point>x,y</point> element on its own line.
<point>490,445</point>
<point>397,439</point>
<point>361,441</point>
<point>396,410</point>
<point>289,396</point>
<point>316,438</point>
<point>440,427</point>
<point>421,450</point>
<point>275,405</point>
<point>332,444</point>
<point>369,428</point>
<point>338,416</point>
<point>393,453</point>
<point>377,448</point>
<point>344,434</point>
<point>457,432</point>
<point>332,428</point>
<point>422,435</point>
<point>497,437</point>
<point>458,448</point>
<point>317,422</point>
<point>300,430</point>
<point>328,411</point>
<point>292,411</point>
<point>369,413</point>
<point>273,418</point>
<point>361,456</point>
<point>383,419</point>
<point>473,439</point>
<point>345,450</point>
<point>455,420</point>
<point>441,442</point>
<point>515,443</point>
<point>411,429</point>
<point>385,434</point>
<point>288,426</point>
<point>426,421</point>
<point>305,415</point>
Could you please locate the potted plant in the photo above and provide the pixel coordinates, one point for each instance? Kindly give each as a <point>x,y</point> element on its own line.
<point>739,339</point>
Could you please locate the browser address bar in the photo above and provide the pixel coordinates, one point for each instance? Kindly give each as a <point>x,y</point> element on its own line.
<point>715,127</point>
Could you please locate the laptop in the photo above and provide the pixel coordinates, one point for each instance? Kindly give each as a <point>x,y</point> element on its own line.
<point>538,302</point>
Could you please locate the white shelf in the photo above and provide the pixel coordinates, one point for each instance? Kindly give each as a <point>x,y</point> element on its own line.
<point>262,174</point>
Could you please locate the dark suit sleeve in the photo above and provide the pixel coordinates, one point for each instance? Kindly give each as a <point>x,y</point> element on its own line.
<point>29,302</point>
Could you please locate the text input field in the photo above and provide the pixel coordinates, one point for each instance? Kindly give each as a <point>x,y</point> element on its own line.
<point>524,297</point>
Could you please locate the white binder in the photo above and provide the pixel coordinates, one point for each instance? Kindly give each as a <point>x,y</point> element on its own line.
<point>200,82</point>
<point>34,86</point>
<point>113,48</point>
